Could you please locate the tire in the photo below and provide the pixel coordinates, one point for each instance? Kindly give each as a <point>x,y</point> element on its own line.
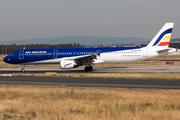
<point>90,68</point>
<point>86,69</point>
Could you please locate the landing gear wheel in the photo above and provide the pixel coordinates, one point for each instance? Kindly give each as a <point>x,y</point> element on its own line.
<point>91,68</point>
<point>88,68</point>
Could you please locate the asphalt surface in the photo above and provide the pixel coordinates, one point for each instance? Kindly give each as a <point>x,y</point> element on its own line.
<point>92,82</point>
<point>106,69</point>
<point>96,82</point>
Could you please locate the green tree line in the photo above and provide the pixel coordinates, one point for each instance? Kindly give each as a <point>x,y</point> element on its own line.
<point>7,49</point>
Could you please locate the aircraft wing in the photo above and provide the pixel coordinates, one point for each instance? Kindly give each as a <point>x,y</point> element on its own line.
<point>86,59</point>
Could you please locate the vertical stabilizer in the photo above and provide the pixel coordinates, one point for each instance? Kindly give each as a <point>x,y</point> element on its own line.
<point>162,39</point>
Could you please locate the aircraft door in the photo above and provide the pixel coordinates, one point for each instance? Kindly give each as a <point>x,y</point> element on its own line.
<point>55,53</point>
<point>21,54</point>
<point>145,52</point>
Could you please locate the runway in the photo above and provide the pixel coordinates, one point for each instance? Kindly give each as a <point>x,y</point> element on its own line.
<point>106,69</point>
<point>92,82</point>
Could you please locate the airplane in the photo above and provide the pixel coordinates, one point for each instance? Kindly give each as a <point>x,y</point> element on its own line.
<point>69,58</point>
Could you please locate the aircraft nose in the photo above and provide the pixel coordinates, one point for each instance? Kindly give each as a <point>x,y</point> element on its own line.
<point>6,59</point>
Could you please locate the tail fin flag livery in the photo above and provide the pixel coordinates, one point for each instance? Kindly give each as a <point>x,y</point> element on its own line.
<point>69,58</point>
<point>163,36</point>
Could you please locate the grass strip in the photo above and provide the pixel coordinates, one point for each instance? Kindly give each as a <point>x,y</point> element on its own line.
<point>168,76</point>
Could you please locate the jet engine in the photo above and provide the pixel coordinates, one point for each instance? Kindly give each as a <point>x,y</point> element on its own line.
<point>67,64</point>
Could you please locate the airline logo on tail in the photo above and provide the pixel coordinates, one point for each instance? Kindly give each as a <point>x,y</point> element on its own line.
<point>164,38</point>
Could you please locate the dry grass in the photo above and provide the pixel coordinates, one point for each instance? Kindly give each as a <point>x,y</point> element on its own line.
<point>80,103</point>
<point>131,75</point>
<point>1,61</point>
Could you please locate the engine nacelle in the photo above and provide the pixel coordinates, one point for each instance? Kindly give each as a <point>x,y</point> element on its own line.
<point>67,64</point>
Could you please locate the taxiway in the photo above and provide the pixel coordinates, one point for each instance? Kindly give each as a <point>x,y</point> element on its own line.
<point>92,82</point>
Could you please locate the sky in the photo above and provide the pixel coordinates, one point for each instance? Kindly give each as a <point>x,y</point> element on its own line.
<point>28,19</point>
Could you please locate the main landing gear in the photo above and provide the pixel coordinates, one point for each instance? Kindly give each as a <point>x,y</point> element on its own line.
<point>23,70</point>
<point>88,68</point>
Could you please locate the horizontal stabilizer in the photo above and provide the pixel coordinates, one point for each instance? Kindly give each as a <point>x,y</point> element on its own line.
<point>170,50</point>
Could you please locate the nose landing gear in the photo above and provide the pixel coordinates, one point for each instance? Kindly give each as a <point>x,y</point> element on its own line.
<point>23,70</point>
<point>88,68</point>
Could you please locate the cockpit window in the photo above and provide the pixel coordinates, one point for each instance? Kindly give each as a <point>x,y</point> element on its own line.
<point>12,54</point>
